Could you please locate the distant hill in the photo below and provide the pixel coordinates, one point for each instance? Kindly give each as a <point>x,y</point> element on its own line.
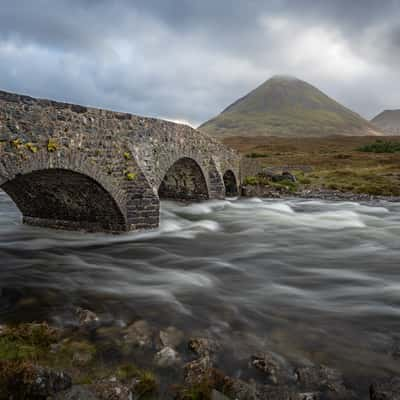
<point>388,121</point>
<point>287,107</point>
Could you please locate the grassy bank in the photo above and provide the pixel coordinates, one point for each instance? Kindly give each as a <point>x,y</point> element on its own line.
<point>348,164</point>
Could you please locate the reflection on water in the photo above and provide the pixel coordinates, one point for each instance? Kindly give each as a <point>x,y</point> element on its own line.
<point>314,281</point>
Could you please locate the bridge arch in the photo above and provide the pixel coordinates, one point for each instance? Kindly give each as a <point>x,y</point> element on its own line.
<point>67,190</point>
<point>61,198</point>
<point>184,180</point>
<point>230,183</point>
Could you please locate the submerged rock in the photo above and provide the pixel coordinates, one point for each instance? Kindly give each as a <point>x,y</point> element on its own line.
<point>167,357</point>
<point>171,337</point>
<point>139,334</point>
<point>326,380</point>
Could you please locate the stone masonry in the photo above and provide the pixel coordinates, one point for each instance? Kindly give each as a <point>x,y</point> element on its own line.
<point>74,167</point>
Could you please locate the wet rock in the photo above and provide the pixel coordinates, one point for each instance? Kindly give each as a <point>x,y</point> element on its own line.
<point>139,334</point>
<point>269,365</point>
<point>197,370</point>
<point>385,390</point>
<point>204,346</point>
<point>112,389</point>
<point>324,379</point>
<point>76,393</point>
<point>47,382</point>
<point>240,390</point>
<point>171,337</point>
<point>167,357</point>
<point>86,317</point>
<point>2,330</point>
<point>26,380</point>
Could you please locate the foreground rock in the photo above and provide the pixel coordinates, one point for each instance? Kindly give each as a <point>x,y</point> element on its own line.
<point>385,390</point>
<point>271,367</point>
<point>24,380</point>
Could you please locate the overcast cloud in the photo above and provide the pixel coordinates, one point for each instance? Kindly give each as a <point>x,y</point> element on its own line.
<point>186,60</point>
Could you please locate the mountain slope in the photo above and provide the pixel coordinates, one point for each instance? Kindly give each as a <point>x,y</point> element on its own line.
<point>285,106</point>
<point>388,121</point>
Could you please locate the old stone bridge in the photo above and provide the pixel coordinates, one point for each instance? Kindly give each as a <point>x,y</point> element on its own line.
<point>74,167</point>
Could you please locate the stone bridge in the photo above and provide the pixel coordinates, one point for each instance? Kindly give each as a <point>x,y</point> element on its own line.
<point>74,167</point>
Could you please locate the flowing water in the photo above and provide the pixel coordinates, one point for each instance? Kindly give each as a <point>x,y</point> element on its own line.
<point>314,281</point>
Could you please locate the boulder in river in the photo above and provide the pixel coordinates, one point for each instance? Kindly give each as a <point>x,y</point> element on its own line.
<point>86,317</point>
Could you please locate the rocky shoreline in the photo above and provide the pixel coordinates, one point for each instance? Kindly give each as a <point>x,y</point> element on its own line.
<point>314,193</point>
<point>94,360</point>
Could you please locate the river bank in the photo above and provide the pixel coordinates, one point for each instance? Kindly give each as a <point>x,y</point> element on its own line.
<point>97,360</point>
<point>312,193</point>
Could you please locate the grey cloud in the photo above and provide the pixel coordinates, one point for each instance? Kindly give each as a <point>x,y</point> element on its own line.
<point>187,60</point>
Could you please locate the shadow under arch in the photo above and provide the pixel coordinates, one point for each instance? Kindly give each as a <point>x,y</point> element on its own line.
<point>184,181</point>
<point>64,199</point>
<point>230,183</point>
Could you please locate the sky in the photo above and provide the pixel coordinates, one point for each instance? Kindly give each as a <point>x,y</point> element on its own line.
<point>187,60</point>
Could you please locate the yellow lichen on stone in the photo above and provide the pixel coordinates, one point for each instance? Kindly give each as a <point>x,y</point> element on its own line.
<point>130,176</point>
<point>31,147</point>
<point>127,155</point>
<point>51,145</point>
<point>17,143</point>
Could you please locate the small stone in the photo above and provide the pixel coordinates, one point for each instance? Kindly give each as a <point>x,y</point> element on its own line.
<point>167,357</point>
<point>203,346</point>
<point>171,337</point>
<point>86,317</point>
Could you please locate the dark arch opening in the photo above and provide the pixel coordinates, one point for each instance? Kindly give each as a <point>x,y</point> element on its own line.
<point>231,188</point>
<point>63,199</point>
<point>184,181</point>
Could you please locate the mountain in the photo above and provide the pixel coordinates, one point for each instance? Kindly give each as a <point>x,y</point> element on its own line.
<point>286,106</point>
<point>388,121</point>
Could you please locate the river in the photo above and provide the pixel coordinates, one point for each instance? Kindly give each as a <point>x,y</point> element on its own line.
<point>313,281</point>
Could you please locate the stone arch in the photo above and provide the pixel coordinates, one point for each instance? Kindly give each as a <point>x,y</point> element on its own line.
<point>60,198</point>
<point>184,180</point>
<point>230,183</point>
<point>130,203</point>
